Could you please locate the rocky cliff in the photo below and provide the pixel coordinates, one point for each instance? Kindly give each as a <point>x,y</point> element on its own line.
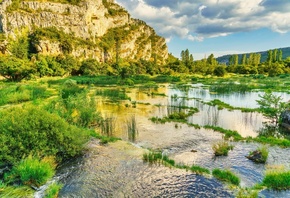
<point>98,29</point>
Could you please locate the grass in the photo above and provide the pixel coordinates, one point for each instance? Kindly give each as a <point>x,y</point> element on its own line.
<point>113,94</point>
<point>199,170</point>
<point>158,157</point>
<point>16,192</point>
<point>32,171</point>
<point>226,176</point>
<point>132,128</point>
<point>277,180</point>
<point>260,155</point>
<point>222,148</point>
<point>52,190</point>
<point>222,105</point>
<point>108,126</point>
<point>228,133</point>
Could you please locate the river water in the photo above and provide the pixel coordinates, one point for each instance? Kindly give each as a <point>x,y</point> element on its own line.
<point>117,170</point>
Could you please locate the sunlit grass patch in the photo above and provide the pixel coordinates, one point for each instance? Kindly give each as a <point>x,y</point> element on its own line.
<point>226,176</point>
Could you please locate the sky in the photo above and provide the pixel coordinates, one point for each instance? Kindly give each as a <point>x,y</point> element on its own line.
<point>216,26</point>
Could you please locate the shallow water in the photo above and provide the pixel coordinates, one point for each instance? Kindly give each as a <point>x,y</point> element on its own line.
<point>118,171</point>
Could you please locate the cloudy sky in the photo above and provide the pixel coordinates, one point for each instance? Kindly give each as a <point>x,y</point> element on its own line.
<point>216,26</point>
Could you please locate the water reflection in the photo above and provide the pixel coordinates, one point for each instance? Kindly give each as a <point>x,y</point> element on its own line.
<point>118,171</point>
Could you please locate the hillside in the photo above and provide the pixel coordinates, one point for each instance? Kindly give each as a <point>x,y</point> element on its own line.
<point>99,29</point>
<point>225,58</point>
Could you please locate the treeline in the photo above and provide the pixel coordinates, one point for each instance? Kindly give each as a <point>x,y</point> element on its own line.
<point>248,64</point>
<point>24,62</point>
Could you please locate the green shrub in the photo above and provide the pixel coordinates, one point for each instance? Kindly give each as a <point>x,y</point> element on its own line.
<point>277,180</point>
<point>70,88</point>
<point>32,171</point>
<point>227,176</point>
<point>222,148</point>
<point>26,130</point>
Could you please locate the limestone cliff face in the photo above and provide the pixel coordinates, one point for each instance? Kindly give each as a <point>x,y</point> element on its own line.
<point>90,20</point>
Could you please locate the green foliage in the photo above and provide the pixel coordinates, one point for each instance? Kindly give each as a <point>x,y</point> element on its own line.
<point>32,171</point>
<point>16,192</point>
<point>90,67</point>
<point>26,130</point>
<point>15,69</point>
<point>52,190</point>
<point>22,93</point>
<point>20,47</point>
<point>277,180</point>
<point>222,148</point>
<point>220,71</point>
<point>113,94</point>
<point>70,88</point>
<point>227,176</point>
<point>272,106</point>
<point>229,87</point>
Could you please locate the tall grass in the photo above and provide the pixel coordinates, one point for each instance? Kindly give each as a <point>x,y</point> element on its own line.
<point>132,128</point>
<point>32,171</point>
<point>113,94</point>
<point>108,125</point>
<point>227,176</point>
<point>222,148</point>
<point>52,190</point>
<point>277,180</point>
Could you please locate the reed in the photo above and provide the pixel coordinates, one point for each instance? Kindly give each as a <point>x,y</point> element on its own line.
<point>132,128</point>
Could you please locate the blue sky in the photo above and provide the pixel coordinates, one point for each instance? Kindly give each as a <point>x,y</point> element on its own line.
<point>216,26</point>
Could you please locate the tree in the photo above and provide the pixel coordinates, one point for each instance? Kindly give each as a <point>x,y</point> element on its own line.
<point>270,57</point>
<point>220,71</point>
<point>15,69</point>
<point>244,59</point>
<point>272,106</point>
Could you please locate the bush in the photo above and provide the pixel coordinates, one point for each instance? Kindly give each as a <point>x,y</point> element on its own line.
<point>26,130</point>
<point>227,176</point>
<point>32,171</point>
<point>221,148</point>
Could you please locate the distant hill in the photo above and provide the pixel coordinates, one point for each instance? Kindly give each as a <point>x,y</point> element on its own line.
<point>225,58</point>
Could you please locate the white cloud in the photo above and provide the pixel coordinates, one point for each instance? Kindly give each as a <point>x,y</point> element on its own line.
<point>199,19</point>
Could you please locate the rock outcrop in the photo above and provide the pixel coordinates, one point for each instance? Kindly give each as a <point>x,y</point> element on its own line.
<point>89,20</point>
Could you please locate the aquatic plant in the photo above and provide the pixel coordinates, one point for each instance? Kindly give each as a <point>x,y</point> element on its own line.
<point>260,155</point>
<point>108,125</point>
<point>132,128</point>
<point>199,170</point>
<point>52,190</point>
<point>222,148</point>
<point>227,176</point>
<point>113,94</point>
<point>277,179</point>
<point>228,133</point>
